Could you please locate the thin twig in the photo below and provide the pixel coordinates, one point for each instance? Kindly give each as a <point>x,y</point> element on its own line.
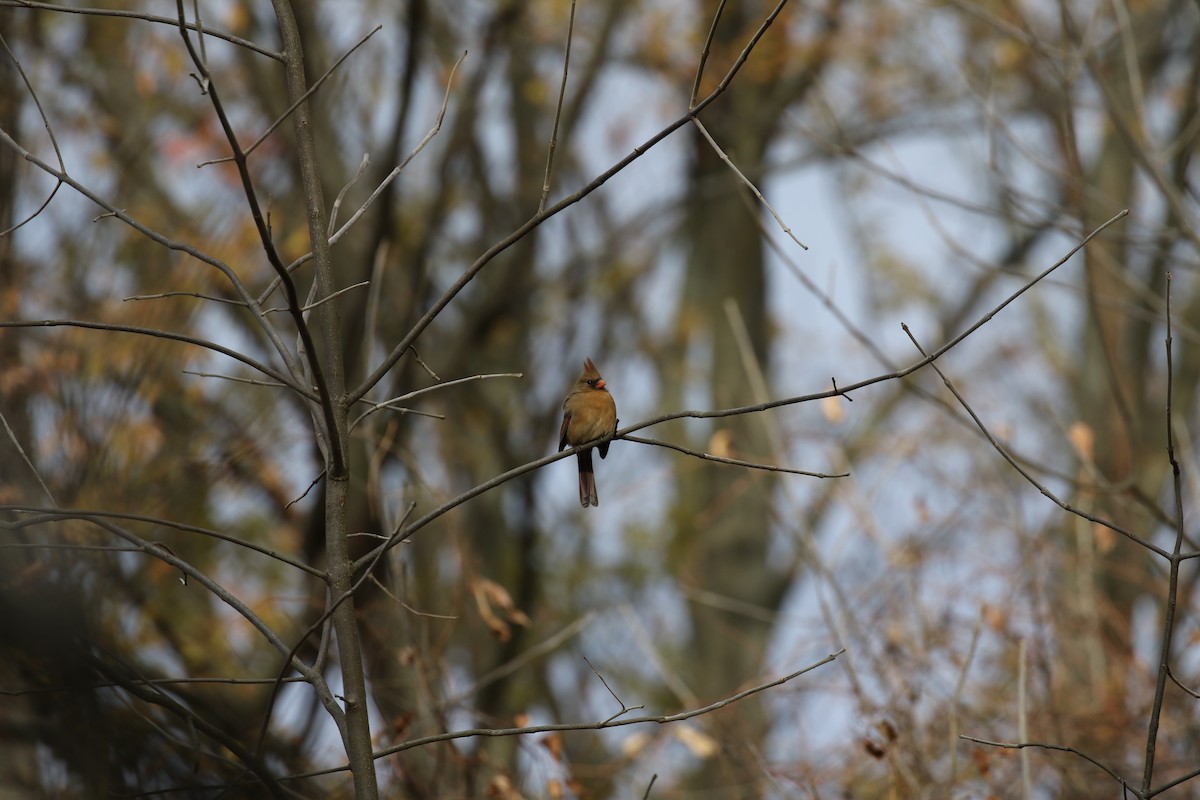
<point>532,729</point>
<point>341,195</point>
<point>292,108</point>
<point>164,241</point>
<point>1188,689</point>
<point>1168,625</point>
<point>588,726</point>
<point>200,32</point>
<point>704,51</point>
<point>45,515</point>
<point>331,606</point>
<point>154,550</point>
<point>12,437</point>
<point>405,605</point>
<point>172,21</point>
<point>418,392</point>
<point>159,334</point>
<point>732,461</point>
<point>218,733</point>
<point>407,513</point>
<point>163,295</point>
<point>307,489</point>
<point>423,365</point>
<point>146,681</point>
<point>957,700</point>
<point>416,411</point>
<point>624,708</point>
<point>1003,451</point>
<point>234,378</point>
<point>1023,717</point>
<point>310,306</point>
<point>1058,747</point>
<point>749,184</point>
<point>83,548</point>
<point>49,132</point>
<point>562,91</point>
<point>1182,779</point>
<point>454,502</point>
<point>437,126</point>
<point>374,297</point>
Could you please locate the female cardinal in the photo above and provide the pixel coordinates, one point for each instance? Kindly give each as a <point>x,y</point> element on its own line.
<point>588,413</point>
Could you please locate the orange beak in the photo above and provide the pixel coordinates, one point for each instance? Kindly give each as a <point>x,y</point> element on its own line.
<point>600,383</point>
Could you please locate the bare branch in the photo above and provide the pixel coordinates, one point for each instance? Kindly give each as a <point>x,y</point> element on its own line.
<point>749,184</point>
<point>423,365</point>
<point>418,392</point>
<point>624,708</point>
<point>733,461</point>
<point>234,378</point>
<point>158,334</point>
<point>843,391</point>
<point>1168,624</point>
<point>1060,748</point>
<point>44,515</point>
<point>1189,690</point>
<point>727,412</point>
<point>307,489</point>
<point>411,337</point>
<point>583,726</point>
<point>562,91</point>
<point>591,726</point>
<point>437,126</point>
<point>172,21</point>
<point>312,305</point>
<point>957,699</point>
<point>405,605</point>
<point>315,368</point>
<point>313,677</point>
<point>999,448</point>
<point>146,681</point>
<point>704,51</point>
<point>12,437</point>
<point>49,132</point>
<point>354,179</point>
<point>147,692</point>
<point>198,295</point>
<point>292,108</point>
<point>159,239</point>
<point>1182,779</point>
<point>336,599</point>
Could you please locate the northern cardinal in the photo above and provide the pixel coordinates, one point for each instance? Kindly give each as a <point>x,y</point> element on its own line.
<point>588,413</point>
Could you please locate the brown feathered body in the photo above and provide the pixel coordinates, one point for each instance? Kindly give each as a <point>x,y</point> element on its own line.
<point>589,412</point>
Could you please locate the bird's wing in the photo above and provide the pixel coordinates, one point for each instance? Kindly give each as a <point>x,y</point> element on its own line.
<point>562,432</point>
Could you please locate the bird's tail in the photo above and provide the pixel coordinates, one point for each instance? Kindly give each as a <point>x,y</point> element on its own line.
<point>587,480</point>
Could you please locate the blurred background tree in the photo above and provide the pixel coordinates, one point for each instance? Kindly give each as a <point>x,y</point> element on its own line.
<point>933,157</point>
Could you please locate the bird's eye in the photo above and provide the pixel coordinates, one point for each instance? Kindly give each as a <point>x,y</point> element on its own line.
<point>592,384</point>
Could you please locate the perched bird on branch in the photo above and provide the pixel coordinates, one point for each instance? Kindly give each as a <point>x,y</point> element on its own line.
<point>588,413</point>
